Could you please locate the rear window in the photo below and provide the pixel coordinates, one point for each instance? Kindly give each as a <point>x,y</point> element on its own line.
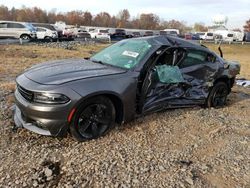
<point>120,31</point>
<point>47,26</point>
<point>230,35</point>
<point>163,32</point>
<point>136,33</point>
<point>210,34</point>
<point>103,31</point>
<point>15,25</point>
<point>149,33</point>
<point>40,29</point>
<point>171,32</point>
<point>3,25</point>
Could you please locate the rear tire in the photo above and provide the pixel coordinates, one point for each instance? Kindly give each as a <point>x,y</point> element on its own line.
<point>218,95</point>
<point>93,119</point>
<point>25,37</point>
<point>48,39</point>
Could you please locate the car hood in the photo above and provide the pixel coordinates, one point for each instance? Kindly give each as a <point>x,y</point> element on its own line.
<point>67,70</point>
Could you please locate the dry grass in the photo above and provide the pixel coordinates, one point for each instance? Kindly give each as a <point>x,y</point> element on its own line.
<point>236,52</point>
<point>16,58</point>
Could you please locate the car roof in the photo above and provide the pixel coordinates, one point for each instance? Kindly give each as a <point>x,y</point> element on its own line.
<point>5,21</point>
<point>172,41</point>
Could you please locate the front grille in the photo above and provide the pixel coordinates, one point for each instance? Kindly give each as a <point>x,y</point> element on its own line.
<point>28,95</point>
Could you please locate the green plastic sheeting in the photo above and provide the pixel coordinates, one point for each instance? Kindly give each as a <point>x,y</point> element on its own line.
<point>169,74</point>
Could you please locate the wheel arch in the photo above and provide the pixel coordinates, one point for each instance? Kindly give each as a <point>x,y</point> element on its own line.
<point>227,80</point>
<point>115,99</point>
<point>24,34</point>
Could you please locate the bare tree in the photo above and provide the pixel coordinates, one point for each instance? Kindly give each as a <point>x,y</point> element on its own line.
<point>87,16</point>
<point>148,21</point>
<point>200,27</point>
<point>123,17</point>
<point>103,19</point>
<point>247,26</point>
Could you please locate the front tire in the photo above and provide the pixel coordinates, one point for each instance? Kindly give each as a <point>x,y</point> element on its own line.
<point>93,119</point>
<point>218,95</point>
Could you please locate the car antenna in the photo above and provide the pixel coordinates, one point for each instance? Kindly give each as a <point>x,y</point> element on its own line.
<point>219,48</point>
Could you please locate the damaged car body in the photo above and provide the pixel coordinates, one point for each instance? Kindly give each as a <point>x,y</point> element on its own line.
<point>128,79</point>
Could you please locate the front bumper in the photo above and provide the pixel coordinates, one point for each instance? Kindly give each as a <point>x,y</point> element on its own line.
<point>44,120</point>
<point>20,123</point>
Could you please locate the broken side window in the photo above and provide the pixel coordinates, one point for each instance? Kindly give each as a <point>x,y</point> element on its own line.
<point>196,57</point>
<point>169,74</point>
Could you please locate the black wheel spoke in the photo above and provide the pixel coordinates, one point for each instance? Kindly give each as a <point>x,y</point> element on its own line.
<point>99,110</point>
<point>83,126</point>
<point>94,129</point>
<point>103,120</point>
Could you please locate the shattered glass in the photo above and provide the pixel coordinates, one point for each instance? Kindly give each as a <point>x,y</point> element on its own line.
<point>169,74</point>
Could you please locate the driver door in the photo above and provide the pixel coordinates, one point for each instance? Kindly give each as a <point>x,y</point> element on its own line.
<point>164,81</point>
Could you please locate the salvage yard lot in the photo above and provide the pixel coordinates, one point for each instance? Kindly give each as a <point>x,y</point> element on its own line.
<point>176,148</point>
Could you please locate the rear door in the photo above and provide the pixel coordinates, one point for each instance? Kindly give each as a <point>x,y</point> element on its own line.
<point>15,30</point>
<point>198,68</point>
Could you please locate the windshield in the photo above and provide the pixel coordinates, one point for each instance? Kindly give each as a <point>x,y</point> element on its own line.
<point>125,54</point>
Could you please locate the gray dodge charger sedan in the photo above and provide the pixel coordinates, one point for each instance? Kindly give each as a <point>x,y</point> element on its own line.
<point>128,79</point>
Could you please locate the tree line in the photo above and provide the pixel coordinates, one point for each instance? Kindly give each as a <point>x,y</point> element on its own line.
<point>123,19</point>
<point>103,19</point>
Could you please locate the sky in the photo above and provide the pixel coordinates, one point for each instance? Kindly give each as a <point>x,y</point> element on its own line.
<point>191,11</point>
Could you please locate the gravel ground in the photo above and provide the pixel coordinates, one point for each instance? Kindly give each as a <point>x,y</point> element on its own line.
<point>192,147</point>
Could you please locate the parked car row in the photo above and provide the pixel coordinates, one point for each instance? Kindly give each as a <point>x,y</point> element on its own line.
<point>50,32</point>
<point>219,35</point>
<point>40,31</point>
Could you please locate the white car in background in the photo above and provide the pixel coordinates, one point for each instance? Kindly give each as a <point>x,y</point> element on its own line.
<point>238,36</point>
<point>174,32</point>
<point>100,34</point>
<point>18,30</point>
<point>207,36</point>
<point>227,36</point>
<point>45,33</point>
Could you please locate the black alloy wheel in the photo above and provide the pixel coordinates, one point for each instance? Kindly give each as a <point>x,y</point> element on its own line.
<point>218,95</point>
<point>93,119</point>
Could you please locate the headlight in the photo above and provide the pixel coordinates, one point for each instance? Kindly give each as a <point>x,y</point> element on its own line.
<point>50,98</point>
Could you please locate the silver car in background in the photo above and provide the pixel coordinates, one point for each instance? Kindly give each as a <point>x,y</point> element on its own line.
<point>17,30</point>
